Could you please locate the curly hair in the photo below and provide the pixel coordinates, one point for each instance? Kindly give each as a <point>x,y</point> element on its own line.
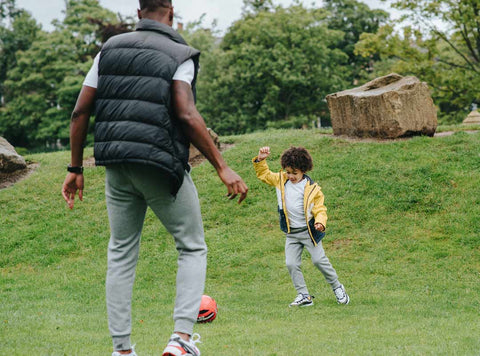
<point>297,158</point>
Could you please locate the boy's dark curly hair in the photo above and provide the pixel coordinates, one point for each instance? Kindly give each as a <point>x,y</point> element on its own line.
<point>297,158</point>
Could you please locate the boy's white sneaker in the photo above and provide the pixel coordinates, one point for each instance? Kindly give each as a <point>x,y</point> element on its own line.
<point>132,353</point>
<point>178,347</point>
<point>302,300</point>
<point>341,295</point>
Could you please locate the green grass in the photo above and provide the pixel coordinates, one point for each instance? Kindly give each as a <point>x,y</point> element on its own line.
<point>403,235</point>
<point>458,128</point>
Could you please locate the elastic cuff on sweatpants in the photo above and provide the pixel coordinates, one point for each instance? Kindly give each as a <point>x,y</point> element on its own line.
<point>303,291</point>
<point>184,326</point>
<point>336,284</point>
<point>121,343</point>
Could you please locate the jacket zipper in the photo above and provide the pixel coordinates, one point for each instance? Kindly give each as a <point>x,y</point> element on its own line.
<point>306,215</point>
<point>284,206</point>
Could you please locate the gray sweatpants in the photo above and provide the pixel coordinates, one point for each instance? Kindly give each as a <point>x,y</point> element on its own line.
<point>294,246</point>
<point>129,190</point>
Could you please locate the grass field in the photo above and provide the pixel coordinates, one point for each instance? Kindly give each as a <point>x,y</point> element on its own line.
<point>403,234</point>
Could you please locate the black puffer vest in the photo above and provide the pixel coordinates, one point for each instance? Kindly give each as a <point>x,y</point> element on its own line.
<point>134,120</point>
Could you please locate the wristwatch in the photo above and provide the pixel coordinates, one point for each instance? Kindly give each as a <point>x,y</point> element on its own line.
<point>77,170</point>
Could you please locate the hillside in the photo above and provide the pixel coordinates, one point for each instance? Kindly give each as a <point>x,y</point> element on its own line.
<point>403,235</point>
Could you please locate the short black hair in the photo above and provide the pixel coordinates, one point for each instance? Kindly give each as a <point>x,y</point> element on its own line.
<point>153,5</point>
<point>297,158</point>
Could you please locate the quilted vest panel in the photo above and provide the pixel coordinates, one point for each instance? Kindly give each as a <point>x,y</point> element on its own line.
<point>134,120</point>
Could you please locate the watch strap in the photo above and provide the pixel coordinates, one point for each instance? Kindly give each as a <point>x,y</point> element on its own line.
<point>73,169</point>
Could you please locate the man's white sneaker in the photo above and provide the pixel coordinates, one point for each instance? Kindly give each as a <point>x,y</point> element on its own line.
<point>341,295</point>
<point>302,300</point>
<point>178,347</point>
<point>132,353</point>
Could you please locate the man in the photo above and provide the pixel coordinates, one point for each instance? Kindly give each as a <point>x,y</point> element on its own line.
<point>142,85</point>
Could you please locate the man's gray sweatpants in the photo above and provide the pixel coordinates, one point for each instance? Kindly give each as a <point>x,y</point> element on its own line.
<point>129,190</point>
<point>294,246</point>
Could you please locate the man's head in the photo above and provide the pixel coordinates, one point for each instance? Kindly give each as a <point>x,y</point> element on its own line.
<point>158,10</point>
<point>296,161</point>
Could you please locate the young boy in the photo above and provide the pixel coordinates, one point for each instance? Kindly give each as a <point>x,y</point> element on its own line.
<point>303,218</point>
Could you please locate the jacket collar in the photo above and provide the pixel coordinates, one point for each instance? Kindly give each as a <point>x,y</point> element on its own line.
<point>152,25</point>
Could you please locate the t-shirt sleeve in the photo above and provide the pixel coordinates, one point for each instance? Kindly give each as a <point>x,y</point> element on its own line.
<point>185,72</point>
<point>91,80</point>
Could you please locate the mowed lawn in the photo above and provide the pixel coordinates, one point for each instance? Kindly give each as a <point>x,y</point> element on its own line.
<point>403,234</point>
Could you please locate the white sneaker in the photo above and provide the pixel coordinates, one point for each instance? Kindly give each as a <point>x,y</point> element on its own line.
<point>341,295</point>
<point>132,353</point>
<point>178,347</point>
<point>302,300</point>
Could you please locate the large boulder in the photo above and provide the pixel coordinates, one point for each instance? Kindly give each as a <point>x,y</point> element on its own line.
<point>10,160</point>
<point>387,107</point>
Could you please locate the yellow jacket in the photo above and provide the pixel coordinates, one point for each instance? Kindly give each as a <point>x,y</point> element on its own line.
<point>314,209</point>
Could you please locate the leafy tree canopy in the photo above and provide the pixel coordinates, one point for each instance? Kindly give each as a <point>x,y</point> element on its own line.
<point>40,90</point>
<point>441,45</point>
<point>274,66</point>
<point>354,18</point>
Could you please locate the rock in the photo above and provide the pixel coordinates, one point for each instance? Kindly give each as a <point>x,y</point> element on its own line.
<point>10,160</point>
<point>194,152</point>
<point>387,107</point>
<point>472,118</point>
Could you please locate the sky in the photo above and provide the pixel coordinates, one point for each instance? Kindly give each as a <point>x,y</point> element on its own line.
<point>225,12</point>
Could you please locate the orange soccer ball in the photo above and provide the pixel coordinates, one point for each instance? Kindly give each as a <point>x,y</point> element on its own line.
<point>208,310</point>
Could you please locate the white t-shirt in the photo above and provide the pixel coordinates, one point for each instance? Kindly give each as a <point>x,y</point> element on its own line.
<point>185,72</point>
<point>294,201</point>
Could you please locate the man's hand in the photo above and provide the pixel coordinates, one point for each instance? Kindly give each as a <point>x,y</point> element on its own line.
<point>319,227</point>
<point>73,182</point>
<point>234,184</point>
<point>263,153</point>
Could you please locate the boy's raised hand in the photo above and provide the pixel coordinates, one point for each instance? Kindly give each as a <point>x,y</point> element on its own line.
<point>263,153</point>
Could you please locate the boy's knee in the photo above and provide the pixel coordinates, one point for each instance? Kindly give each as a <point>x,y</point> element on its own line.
<point>292,265</point>
<point>322,261</point>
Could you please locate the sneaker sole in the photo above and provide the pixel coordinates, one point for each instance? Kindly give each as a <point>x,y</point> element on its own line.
<point>174,351</point>
<point>306,305</point>
<point>301,305</point>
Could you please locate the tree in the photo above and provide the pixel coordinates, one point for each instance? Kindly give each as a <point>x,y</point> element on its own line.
<point>274,68</point>
<point>41,90</point>
<point>8,9</point>
<point>255,6</point>
<point>207,41</point>
<point>354,18</point>
<point>17,32</point>
<point>440,46</point>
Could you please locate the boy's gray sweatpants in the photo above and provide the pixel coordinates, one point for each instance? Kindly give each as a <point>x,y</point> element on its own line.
<point>129,190</point>
<point>294,246</point>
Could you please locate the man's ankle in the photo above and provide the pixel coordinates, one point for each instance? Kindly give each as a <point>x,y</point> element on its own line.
<point>184,336</point>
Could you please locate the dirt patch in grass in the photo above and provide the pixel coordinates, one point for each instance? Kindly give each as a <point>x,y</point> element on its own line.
<point>9,179</point>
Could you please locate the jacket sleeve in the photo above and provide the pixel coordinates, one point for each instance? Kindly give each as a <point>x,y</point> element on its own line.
<point>265,174</point>
<point>319,210</point>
